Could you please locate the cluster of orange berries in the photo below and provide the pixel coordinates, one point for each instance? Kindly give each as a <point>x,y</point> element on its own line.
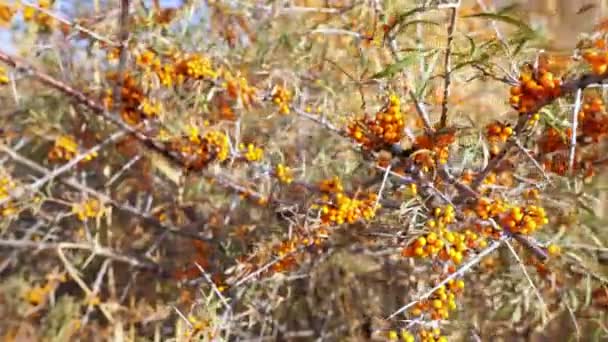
<point>197,150</point>
<point>251,152</point>
<point>6,186</point>
<point>281,96</point>
<point>406,336</point>
<point>558,163</point>
<point>433,335</point>
<point>178,68</point>
<point>39,294</point>
<point>524,220</point>
<point>3,76</point>
<point>195,67</point>
<point>65,148</point>
<point>442,242</point>
<point>7,12</point>
<point>384,129</point>
<point>554,140</point>
<point>238,88</point>
<point>90,208</point>
<point>288,251</point>
<point>593,119</point>
<point>534,89</point>
<point>339,208</point>
<point>487,208</point>
<point>441,302</point>
<point>31,14</point>
<point>597,57</point>
<point>149,61</point>
<point>199,67</point>
<point>134,105</point>
<point>497,133</point>
<point>593,127</point>
<point>430,150</point>
<point>283,174</point>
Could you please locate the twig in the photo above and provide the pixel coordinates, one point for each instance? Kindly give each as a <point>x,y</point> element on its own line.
<point>386,173</point>
<point>29,188</point>
<point>321,121</point>
<point>151,220</point>
<point>424,116</point>
<point>95,249</point>
<point>74,25</point>
<point>532,159</point>
<point>213,286</point>
<point>523,268</point>
<point>122,59</point>
<point>448,68</point>
<point>577,108</point>
<point>96,289</point>
<point>264,268</point>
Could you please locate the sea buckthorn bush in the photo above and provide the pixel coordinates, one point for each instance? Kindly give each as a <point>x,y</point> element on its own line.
<point>300,170</point>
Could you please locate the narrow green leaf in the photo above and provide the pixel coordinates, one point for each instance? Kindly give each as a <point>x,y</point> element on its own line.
<point>427,74</point>
<point>392,69</point>
<point>413,22</point>
<point>503,18</point>
<point>473,46</point>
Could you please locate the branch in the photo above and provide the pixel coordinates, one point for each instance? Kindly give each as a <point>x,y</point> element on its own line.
<point>567,88</point>
<point>74,25</point>
<point>448,69</point>
<point>95,249</point>
<point>464,268</point>
<point>149,219</point>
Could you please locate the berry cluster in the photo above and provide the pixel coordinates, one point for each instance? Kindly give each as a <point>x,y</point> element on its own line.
<point>6,186</point>
<point>597,56</point>
<point>524,220</point>
<point>442,242</point>
<point>433,149</point>
<point>65,148</point>
<point>593,119</point>
<point>195,67</point>
<point>339,208</point>
<point>43,20</point>
<point>288,251</point>
<point>7,12</point>
<point>281,96</point>
<point>238,88</point>
<point>197,150</point>
<point>535,88</point>
<point>40,293</point>
<point>593,127</point>
<point>90,208</point>
<point>486,208</point>
<point>441,302</point>
<point>497,133</point>
<point>554,140</point>
<point>385,128</point>
<point>134,105</point>
<point>3,76</point>
<point>251,152</point>
<point>283,174</point>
